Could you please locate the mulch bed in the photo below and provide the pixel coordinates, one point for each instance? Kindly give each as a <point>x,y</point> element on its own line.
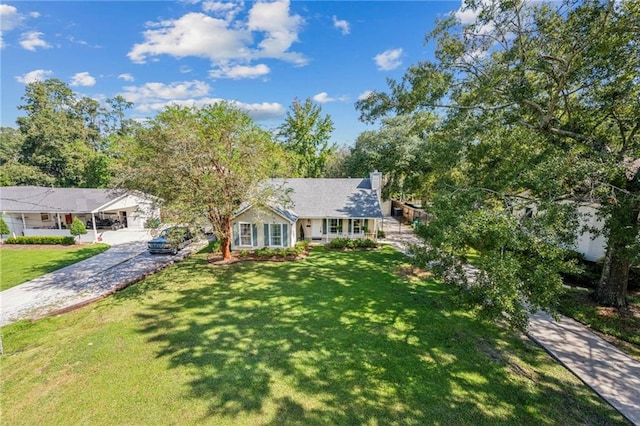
<point>216,258</point>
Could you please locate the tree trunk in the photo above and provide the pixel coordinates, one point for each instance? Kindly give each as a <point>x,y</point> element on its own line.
<point>612,287</point>
<point>226,240</point>
<point>623,232</point>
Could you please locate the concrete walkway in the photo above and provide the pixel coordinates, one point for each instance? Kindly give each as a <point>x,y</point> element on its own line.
<point>84,281</point>
<point>611,373</point>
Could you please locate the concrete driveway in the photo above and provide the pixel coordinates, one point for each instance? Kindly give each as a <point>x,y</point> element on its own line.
<point>85,281</point>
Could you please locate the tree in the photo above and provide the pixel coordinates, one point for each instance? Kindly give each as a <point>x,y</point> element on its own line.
<point>4,228</point>
<point>204,162</point>
<point>77,228</point>
<point>63,135</point>
<point>306,134</point>
<point>539,110</point>
<point>395,151</point>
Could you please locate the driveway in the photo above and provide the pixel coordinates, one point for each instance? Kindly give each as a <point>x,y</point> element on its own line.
<point>84,281</point>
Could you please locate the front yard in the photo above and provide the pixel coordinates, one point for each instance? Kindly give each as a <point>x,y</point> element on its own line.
<point>336,338</point>
<point>23,263</point>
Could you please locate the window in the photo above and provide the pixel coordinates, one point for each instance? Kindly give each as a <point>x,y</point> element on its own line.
<point>357,226</point>
<point>44,217</point>
<point>246,234</point>
<point>333,226</point>
<point>276,234</point>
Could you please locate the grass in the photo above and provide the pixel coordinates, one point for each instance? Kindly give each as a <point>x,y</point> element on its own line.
<point>338,338</point>
<point>18,265</point>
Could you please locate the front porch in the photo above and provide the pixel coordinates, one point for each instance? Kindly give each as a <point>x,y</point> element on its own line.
<point>327,229</point>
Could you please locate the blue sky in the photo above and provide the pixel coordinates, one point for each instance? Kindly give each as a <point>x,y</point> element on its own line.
<point>260,55</point>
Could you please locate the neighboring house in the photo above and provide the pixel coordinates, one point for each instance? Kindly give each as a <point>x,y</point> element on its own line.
<point>33,210</point>
<point>319,210</point>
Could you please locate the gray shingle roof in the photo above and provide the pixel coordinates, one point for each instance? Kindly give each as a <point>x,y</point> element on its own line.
<point>331,198</point>
<point>36,199</point>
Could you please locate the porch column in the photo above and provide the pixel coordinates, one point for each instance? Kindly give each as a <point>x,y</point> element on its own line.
<point>93,225</point>
<point>24,223</point>
<point>59,223</point>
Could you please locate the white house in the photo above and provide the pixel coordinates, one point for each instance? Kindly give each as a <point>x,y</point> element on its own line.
<point>319,210</point>
<point>33,210</point>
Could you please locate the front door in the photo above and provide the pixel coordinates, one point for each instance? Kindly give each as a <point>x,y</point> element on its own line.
<point>316,229</point>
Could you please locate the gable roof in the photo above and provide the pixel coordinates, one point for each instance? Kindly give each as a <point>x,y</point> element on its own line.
<point>38,199</point>
<point>331,198</point>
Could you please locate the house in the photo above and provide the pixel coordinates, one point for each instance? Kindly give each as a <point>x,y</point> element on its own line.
<point>34,210</point>
<point>319,210</point>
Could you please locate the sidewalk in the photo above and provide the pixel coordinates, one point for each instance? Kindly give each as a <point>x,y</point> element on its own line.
<point>611,373</point>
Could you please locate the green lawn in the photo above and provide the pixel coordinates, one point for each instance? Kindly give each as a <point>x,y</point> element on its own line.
<point>337,338</point>
<point>24,264</point>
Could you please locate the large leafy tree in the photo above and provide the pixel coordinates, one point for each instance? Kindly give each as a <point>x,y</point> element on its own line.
<point>540,112</point>
<point>204,162</point>
<point>63,136</point>
<point>305,134</point>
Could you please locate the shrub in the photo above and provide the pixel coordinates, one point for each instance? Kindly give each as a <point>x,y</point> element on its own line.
<point>381,233</point>
<point>152,223</point>
<point>46,240</point>
<point>77,228</point>
<point>4,228</point>
<point>346,243</point>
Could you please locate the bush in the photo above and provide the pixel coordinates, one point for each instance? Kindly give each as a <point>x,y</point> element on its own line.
<point>346,243</point>
<point>46,240</point>
<point>152,223</point>
<point>381,234</point>
<point>77,228</point>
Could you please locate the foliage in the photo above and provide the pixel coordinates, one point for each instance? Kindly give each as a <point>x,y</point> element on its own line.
<point>305,133</point>
<point>277,253</point>
<point>348,243</point>
<point>339,338</point>
<point>77,228</point>
<point>381,234</point>
<point>537,107</point>
<point>394,150</point>
<point>204,162</point>
<point>23,264</point>
<point>152,223</point>
<point>4,228</point>
<point>46,240</point>
<point>337,165</point>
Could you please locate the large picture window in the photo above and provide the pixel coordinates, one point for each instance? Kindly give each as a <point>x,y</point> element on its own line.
<point>246,234</point>
<point>333,226</point>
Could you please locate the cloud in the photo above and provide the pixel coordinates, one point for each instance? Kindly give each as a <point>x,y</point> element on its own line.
<point>126,77</point>
<point>341,25</point>
<point>364,95</point>
<point>83,79</point>
<point>151,93</point>
<point>268,31</point>
<point>323,98</point>
<point>33,76</point>
<point>469,16</point>
<point>240,71</point>
<point>388,60</point>
<point>9,19</point>
<point>32,40</point>
<point>152,97</point>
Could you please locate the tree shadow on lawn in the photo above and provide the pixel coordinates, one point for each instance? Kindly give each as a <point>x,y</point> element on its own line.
<point>338,338</point>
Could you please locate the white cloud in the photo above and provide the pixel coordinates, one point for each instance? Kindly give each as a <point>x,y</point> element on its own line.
<point>341,25</point>
<point>185,69</point>
<point>364,95</point>
<point>83,79</point>
<point>33,76</point>
<point>225,10</point>
<point>126,77</point>
<point>469,16</point>
<point>323,98</point>
<point>9,17</point>
<point>32,40</point>
<point>240,71</point>
<point>151,93</point>
<point>257,111</point>
<point>268,32</point>
<point>34,14</point>
<point>388,60</point>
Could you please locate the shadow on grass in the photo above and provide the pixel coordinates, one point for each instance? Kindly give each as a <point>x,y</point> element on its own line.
<point>338,338</point>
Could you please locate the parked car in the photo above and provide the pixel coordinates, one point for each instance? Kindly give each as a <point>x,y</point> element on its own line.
<point>171,240</point>
<point>105,223</point>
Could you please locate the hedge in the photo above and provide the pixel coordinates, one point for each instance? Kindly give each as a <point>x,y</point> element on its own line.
<point>47,240</point>
<point>347,243</point>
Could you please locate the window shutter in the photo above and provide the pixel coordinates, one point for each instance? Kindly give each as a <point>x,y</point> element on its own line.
<point>236,234</point>
<point>324,226</point>
<point>267,241</point>
<point>285,235</point>
<point>255,234</point>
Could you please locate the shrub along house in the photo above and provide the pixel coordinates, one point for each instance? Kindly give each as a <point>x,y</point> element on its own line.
<point>36,211</point>
<point>319,210</point>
